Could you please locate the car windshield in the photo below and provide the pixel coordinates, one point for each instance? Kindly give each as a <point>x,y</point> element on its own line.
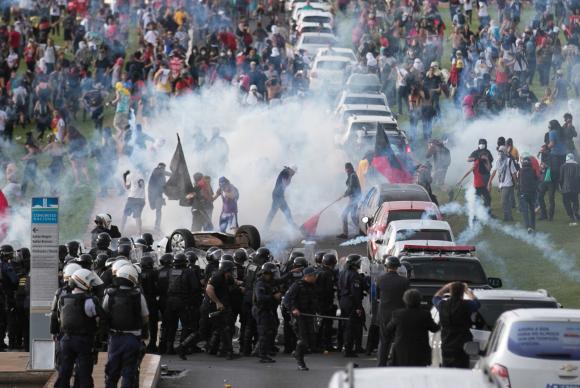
<point>325,30</point>
<point>318,19</point>
<point>364,101</point>
<point>365,112</point>
<point>396,215</point>
<point>545,340</point>
<point>331,65</point>
<point>423,234</point>
<point>490,310</point>
<point>441,270</point>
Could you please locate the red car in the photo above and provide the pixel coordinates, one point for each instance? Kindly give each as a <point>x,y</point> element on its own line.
<point>394,211</point>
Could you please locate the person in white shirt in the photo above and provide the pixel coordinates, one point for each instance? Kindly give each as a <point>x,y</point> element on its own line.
<point>135,184</point>
<point>506,171</point>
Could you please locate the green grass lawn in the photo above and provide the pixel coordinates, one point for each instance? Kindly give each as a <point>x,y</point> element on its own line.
<point>520,264</point>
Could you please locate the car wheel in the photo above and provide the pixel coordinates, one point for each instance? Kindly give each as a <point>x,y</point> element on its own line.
<point>180,240</point>
<point>251,234</point>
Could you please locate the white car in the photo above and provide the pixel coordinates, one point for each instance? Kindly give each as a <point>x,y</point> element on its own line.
<point>327,73</point>
<point>347,111</point>
<point>338,52</point>
<point>314,16</point>
<point>411,378</point>
<point>310,42</point>
<point>363,129</point>
<point>350,98</point>
<point>494,302</point>
<point>533,348</point>
<point>307,27</point>
<point>363,83</point>
<point>290,3</point>
<point>298,8</point>
<point>413,232</point>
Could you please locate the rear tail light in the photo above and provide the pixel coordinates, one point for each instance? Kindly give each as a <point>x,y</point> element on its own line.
<point>408,149</point>
<point>501,374</point>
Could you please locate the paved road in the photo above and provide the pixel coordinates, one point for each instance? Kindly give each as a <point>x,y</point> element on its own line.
<point>211,372</point>
<point>202,370</point>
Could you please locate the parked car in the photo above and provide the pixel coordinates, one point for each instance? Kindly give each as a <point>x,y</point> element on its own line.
<point>375,225</point>
<point>359,134</point>
<point>351,98</point>
<point>493,304</point>
<point>363,83</point>
<point>327,73</point>
<point>411,378</point>
<point>533,348</point>
<point>413,232</point>
<point>310,42</point>
<point>338,52</point>
<point>298,8</point>
<point>347,111</point>
<point>306,27</point>
<point>430,267</point>
<point>314,16</point>
<point>387,192</point>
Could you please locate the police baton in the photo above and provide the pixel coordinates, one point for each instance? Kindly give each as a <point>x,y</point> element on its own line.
<point>323,317</point>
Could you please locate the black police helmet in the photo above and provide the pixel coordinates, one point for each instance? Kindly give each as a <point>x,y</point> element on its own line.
<point>318,257</point>
<point>264,253</point>
<point>62,252</point>
<point>227,257</point>
<point>226,266</point>
<point>300,262</point>
<point>73,248</point>
<point>353,261</point>
<point>166,259</point>
<point>24,253</point>
<point>191,257</point>
<point>392,262</point>
<point>125,240</point>
<point>179,260</point>
<point>85,261</point>
<point>103,239</point>
<point>268,268</point>
<point>240,256</point>
<point>141,241</point>
<point>147,262</point>
<point>148,237</point>
<point>6,249</point>
<point>124,250</point>
<point>214,255</point>
<point>295,254</point>
<point>101,260</point>
<point>329,259</point>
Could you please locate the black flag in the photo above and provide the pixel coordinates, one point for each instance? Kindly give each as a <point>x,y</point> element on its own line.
<point>179,183</point>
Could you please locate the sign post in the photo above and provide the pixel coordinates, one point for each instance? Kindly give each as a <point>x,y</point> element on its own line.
<point>43,275</point>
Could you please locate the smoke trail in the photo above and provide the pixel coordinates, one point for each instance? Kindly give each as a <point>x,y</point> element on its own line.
<point>355,241</point>
<point>485,248</point>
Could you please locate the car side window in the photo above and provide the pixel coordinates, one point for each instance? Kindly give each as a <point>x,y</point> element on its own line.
<point>494,340</point>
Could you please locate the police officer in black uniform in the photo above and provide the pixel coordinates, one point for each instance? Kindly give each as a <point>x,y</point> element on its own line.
<point>326,286</point>
<point>250,332</point>
<point>217,302</point>
<point>301,299</point>
<point>213,256</point>
<point>8,282</point>
<point>183,284</point>
<point>150,287</point>
<point>240,259</point>
<point>163,284</point>
<point>293,275</point>
<point>127,314</point>
<point>350,300</point>
<point>21,314</point>
<point>103,244</point>
<point>78,314</point>
<point>265,300</point>
<point>148,239</point>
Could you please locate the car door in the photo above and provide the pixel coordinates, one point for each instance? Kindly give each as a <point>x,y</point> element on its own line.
<point>363,208</point>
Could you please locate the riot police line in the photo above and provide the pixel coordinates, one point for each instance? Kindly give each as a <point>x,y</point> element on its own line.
<point>110,301</point>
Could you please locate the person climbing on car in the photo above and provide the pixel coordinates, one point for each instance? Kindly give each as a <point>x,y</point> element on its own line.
<point>353,193</point>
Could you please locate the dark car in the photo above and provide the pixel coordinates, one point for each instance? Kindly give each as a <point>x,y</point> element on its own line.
<point>431,267</point>
<point>246,236</point>
<point>387,192</point>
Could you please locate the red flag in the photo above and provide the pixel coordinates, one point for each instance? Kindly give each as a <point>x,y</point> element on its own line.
<point>386,162</point>
<point>308,228</point>
<point>4,216</point>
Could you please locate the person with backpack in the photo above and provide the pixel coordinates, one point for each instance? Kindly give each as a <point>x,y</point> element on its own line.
<point>506,172</point>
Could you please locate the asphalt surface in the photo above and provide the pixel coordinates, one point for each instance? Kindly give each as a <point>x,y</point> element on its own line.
<point>202,370</point>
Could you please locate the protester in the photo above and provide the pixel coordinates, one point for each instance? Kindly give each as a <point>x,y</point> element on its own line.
<point>230,195</point>
<point>353,193</point>
<point>528,190</point>
<point>155,188</point>
<point>279,199</point>
<point>506,171</point>
<point>570,187</point>
<point>135,185</point>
